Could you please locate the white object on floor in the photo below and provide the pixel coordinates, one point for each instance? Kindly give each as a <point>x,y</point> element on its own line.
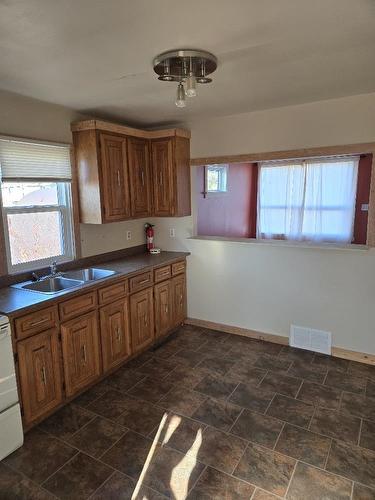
<point>155,251</point>
<point>11,432</point>
<point>310,339</point>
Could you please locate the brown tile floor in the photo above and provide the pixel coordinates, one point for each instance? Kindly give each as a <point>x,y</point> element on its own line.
<point>208,415</point>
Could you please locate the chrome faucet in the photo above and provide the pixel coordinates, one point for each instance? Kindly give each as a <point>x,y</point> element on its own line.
<point>53,268</point>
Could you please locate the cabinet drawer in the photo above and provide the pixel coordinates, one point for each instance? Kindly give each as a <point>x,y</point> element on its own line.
<point>162,273</point>
<point>113,292</point>
<point>178,267</point>
<point>78,305</point>
<point>36,322</point>
<point>141,281</point>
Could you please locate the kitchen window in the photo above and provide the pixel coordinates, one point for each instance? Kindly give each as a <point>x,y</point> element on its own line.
<point>36,203</point>
<point>309,200</point>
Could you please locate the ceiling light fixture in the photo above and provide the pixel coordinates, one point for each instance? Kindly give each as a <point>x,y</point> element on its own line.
<point>185,66</point>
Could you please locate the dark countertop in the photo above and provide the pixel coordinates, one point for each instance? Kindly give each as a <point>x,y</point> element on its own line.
<point>14,301</point>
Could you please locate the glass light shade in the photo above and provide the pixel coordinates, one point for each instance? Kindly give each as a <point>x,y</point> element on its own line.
<point>191,82</point>
<point>180,97</point>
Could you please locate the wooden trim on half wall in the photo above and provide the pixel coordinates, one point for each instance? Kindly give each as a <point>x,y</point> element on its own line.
<point>337,352</point>
<point>345,149</point>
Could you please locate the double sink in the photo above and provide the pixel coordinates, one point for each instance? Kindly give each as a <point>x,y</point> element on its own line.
<point>65,281</point>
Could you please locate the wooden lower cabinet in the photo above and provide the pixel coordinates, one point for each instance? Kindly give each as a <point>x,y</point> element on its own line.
<point>91,338</point>
<point>39,374</point>
<point>114,332</point>
<point>80,346</point>
<point>178,285</point>
<point>163,304</point>
<point>141,319</point>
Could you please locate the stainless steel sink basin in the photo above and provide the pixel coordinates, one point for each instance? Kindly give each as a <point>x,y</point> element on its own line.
<point>49,285</point>
<point>89,274</point>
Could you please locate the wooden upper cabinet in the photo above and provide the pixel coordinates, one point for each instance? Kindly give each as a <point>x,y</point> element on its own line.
<point>170,159</point>
<point>80,346</point>
<point>142,319</point>
<point>39,374</point>
<point>114,168</point>
<point>115,334</point>
<point>162,176</point>
<point>128,173</point>
<point>139,175</point>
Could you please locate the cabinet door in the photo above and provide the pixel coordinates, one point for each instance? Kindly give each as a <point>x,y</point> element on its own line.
<point>179,299</point>
<point>114,331</point>
<point>80,345</point>
<point>114,168</point>
<point>141,319</point>
<point>163,307</point>
<point>39,374</point>
<point>162,169</point>
<point>139,175</point>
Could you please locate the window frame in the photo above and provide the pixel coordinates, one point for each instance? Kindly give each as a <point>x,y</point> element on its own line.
<point>221,169</point>
<point>301,162</point>
<point>64,207</point>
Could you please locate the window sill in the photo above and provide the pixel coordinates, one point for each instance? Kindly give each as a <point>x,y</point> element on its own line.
<point>283,243</point>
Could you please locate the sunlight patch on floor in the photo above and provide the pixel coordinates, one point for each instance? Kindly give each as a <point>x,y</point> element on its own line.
<point>181,472</point>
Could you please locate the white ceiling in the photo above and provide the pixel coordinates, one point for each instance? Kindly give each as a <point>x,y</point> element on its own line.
<point>271,53</point>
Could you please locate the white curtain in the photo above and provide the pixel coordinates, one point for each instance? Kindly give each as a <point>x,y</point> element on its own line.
<point>312,200</point>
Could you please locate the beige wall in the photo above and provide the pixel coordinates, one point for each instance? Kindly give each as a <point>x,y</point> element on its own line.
<point>248,285</point>
<point>25,117</point>
<point>267,288</point>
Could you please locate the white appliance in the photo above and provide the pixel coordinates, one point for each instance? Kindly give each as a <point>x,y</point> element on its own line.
<point>11,433</point>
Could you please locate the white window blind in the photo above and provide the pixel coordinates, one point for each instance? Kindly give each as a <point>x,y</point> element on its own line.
<point>311,199</point>
<point>25,160</point>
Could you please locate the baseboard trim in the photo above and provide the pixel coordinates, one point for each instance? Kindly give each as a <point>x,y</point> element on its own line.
<point>337,352</point>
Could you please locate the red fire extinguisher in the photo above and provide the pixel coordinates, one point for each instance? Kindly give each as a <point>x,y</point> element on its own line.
<point>149,235</point>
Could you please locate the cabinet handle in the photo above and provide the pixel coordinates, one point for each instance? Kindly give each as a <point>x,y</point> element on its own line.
<point>145,320</point>
<point>166,308</point>
<point>181,300</point>
<point>142,178</point>
<point>118,178</point>
<point>143,281</point>
<point>35,323</point>
<point>44,375</point>
<point>160,179</point>
<point>84,357</point>
<point>118,334</point>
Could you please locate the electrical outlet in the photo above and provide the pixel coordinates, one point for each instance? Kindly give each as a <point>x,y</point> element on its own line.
<point>171,232</point>
<point>128,235</point>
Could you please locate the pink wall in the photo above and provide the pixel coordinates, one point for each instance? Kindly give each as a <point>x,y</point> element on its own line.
<point>230,213</point>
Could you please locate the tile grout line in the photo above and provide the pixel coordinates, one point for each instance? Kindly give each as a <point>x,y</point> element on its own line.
<point>102,484</point>
<point>299,389</point>
<point>360,432</point>
<point>328,453</point>
<point>24,476</point>
<point>59,468</point>
<point>269,404</point>
<point>291,479</point>
<point>239,460</point>
<point>261,380</point>
<point>352,491</point>
<point>315,408</point>
<point>198,478</point>
<point>278,437</point>
<point>235,421</point>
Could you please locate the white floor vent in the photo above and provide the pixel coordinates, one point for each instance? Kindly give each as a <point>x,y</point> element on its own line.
<point>308,338</point>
